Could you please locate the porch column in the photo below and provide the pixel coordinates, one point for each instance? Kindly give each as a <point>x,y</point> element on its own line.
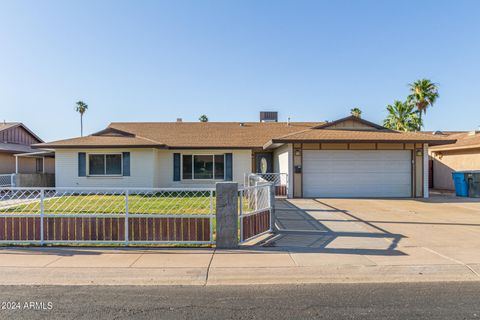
<point>43,164</point>
<point>290,172</point>
<point>426,175</point>
<point>16,164</point>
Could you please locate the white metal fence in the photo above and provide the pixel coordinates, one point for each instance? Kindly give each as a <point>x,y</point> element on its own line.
<point>7,180</point>
<point>279,181</point>
<point>123,216</point>
<point>256,210</point>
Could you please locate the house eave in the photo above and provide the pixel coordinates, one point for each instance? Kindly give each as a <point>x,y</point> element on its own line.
<point>98,146</point>
<point>213,147</point>
<point>272,145</point>
<point>454,148</point>
<point>429,142</point>
<point>143,146</point>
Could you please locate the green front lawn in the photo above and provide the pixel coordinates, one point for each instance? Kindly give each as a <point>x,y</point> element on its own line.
<point>115,204</point>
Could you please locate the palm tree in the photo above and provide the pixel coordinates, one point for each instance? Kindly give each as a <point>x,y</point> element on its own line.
<point>423,94</point>
<point>81,108</point>
<point>356,112</point>
<point>402,116</point>
<point>203,118</point>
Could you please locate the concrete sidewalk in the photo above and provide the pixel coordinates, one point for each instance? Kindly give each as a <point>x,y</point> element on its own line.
<point>100,266</point>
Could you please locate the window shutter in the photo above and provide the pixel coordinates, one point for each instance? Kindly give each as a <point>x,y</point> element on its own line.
<point>176,167</point>
<point>228,166</point>
<point>82,164</point>
<point>126,164</point>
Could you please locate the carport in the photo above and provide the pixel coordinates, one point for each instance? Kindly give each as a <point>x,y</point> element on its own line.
<point>40,159</point>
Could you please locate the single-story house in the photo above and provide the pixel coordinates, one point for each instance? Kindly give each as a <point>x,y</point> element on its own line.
<point>464,154</point>
<point>350,157</point>
<point>16,153</point>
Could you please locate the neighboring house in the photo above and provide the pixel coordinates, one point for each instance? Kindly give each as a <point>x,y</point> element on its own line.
<point>15,143</point>
<point>461,155</point>
<point>350,157</point>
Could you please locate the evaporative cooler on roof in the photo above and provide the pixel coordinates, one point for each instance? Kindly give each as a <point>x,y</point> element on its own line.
<point>268,116</point>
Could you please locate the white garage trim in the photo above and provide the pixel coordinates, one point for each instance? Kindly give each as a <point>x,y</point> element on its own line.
<point>357,173</point>
<point>426,177</point>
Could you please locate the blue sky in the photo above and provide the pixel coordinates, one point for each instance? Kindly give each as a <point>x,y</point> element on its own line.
<point>159,60</point>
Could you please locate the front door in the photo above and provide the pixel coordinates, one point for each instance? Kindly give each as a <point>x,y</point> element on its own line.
<point>263,163</point>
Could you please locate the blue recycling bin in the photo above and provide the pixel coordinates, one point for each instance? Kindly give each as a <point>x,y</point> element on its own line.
<point>461,184</point>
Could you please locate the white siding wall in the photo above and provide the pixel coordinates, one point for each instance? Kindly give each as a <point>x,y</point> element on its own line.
<point>149,168</point>
<point>142,167</point>
<point>281,159</point>
<point>242,163</point>
<point>281,162</point>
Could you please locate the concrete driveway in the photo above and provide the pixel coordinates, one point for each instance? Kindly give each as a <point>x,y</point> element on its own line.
<point>442,230</point>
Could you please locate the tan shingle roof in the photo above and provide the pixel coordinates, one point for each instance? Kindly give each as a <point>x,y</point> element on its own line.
<point>212,134</point>
<point>99,141</point>
<point>230,135</point>
<point>190,134</point>
<point>465,140</point>
<point>337,135</point>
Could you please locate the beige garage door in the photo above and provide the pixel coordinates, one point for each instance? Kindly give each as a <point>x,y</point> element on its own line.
<point>355,173</point>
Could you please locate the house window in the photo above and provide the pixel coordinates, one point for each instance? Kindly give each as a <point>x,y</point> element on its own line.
<point>104,164</point>
<point>203,167</point>
<point>39,165</point>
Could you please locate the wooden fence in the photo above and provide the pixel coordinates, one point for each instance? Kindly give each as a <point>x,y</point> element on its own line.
<point>100,229</point>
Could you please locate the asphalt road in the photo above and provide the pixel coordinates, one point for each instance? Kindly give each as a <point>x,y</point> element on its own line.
<point>336,301</point>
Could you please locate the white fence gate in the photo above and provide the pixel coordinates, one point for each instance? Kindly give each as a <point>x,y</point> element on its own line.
<point>279,181</point>
<point>256,211</point>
